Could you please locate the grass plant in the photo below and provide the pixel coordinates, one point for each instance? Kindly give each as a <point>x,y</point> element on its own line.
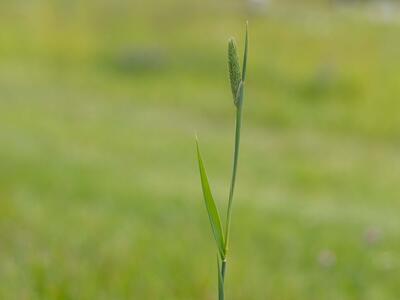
<point>221,234</point>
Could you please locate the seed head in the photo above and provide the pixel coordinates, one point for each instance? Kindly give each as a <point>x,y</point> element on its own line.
<point>234,68</point>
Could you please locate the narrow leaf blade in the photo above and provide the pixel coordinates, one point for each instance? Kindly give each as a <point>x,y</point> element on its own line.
<point>246,46</point>
<point>212,210</point>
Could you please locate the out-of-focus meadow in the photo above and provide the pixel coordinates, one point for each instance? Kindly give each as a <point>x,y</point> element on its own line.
<point>99,189</point>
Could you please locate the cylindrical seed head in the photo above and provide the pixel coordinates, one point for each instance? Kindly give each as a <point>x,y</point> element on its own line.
<point>234,68</point>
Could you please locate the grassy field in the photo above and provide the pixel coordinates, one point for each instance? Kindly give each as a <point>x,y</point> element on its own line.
<point>99,189</point>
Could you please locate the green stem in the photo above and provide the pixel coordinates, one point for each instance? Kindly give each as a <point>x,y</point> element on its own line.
<point>234,171</point>
<point>223,270</point>
<point>221,277</point>
<point>239,104</point>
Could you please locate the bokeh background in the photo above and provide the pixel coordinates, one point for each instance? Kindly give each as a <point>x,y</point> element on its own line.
<point>100,195</point>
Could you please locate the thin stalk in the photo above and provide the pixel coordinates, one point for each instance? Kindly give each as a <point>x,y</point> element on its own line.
<point>221,278</point>
<point>223,269</point>
<point>239,104</point>
<point>234,171</point>
<point>222,287</point>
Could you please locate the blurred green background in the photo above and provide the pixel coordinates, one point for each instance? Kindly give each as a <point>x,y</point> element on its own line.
<point>100,195</point>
